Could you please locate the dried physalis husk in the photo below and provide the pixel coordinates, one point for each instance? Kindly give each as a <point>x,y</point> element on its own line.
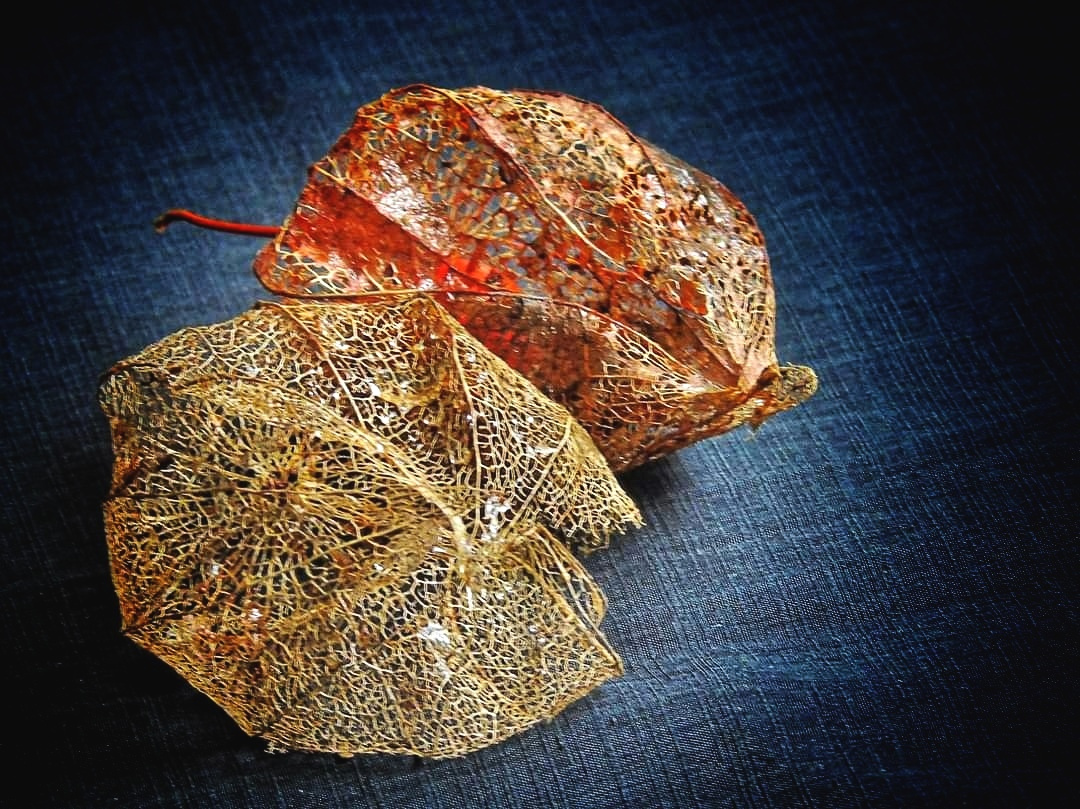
<point>339,522</point>
<point>626,284</point>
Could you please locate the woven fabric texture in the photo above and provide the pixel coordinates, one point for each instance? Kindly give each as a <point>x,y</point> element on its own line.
<point>870,602</point>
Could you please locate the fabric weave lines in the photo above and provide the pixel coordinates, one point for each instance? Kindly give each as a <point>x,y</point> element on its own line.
<point>871,602</point>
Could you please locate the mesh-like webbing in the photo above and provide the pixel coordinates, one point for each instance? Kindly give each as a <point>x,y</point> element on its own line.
<point>338,522</point>
<point>624,283</point>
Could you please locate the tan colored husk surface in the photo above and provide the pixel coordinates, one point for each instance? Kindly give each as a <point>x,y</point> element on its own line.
<point>340,522</point>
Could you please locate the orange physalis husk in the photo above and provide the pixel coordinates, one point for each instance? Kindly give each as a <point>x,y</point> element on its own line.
<point>627,285</point>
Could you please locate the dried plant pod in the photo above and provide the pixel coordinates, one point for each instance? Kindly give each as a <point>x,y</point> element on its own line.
<point>626,284</point>
<point>339,522</point>
<point>342,517</point>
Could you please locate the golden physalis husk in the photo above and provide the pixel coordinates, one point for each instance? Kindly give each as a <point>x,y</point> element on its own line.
<point>343,523</point>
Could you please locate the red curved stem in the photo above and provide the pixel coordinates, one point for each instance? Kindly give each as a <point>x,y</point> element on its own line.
<point>183,215</point>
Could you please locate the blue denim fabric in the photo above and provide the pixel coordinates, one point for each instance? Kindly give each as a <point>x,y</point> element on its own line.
<point>871,602</point>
